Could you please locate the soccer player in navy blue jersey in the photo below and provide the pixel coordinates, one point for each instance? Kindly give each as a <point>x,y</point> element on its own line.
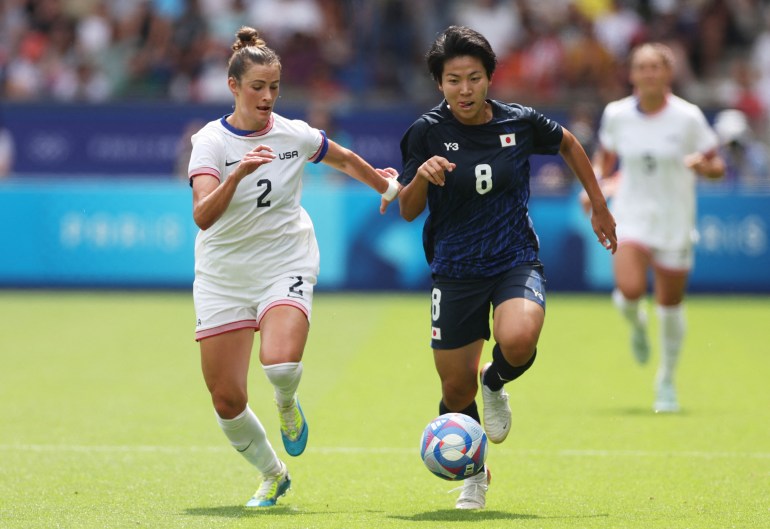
<point>467,160</point>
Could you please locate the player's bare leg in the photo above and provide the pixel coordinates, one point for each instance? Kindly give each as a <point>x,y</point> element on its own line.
<point>630,265</point>
<point>225,364</point>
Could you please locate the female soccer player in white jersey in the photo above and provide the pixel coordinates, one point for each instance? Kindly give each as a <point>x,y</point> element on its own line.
<point>468,161</point>
<point>256,257</point>
<point>660,141</point>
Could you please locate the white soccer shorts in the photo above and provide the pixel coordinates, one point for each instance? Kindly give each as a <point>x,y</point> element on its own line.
<point>219,310</point>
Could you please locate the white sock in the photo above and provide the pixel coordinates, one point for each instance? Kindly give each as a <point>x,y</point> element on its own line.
<point>632,310</point>
<point>672,328</point>
<point>247,435</point>
<point>285,379</point>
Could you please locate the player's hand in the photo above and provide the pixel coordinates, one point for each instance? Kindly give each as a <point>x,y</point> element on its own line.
<point>603,224</point>
<point>258,156</point>
<point>434,170</point>
<point>696,162</point>
<point>390,173</point>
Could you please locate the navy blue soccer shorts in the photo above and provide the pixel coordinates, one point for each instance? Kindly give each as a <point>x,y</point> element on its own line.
<point>460,307</point>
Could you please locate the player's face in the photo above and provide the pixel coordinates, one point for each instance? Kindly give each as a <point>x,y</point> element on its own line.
<point>255,95</point>
<point>650,74</point>
<point>465,84</point>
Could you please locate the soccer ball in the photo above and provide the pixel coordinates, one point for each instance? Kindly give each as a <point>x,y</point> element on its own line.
<point>454,446</point>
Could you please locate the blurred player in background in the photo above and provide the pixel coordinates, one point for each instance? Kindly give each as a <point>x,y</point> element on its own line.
<point>256,256</point>
<point>660,142</point>
<point>7,150</point>
<point>468,161</point>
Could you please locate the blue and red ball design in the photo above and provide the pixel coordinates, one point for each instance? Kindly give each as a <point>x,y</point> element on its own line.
<point>454,447</point>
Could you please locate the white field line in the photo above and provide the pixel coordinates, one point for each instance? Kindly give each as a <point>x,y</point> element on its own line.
<point>352,450</point>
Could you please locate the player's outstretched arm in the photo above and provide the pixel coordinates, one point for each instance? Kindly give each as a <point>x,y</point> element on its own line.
<point>602,220</point>
<point>604,164</point>
<point>348,162</point>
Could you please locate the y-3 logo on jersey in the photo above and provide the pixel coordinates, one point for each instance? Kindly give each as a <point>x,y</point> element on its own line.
<point>452,146</point>
<point>288,155</point>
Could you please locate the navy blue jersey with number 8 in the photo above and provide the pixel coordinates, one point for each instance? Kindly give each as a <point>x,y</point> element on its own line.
<point>478,223</point>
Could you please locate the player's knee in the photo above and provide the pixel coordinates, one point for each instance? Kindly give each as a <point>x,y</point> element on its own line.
<point>519,351</point>
<point>229,404</point>
<point>632,291</point>
<point>458,394</point>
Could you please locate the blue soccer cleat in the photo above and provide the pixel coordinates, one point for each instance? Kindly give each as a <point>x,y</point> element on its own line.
<point>294,428</point>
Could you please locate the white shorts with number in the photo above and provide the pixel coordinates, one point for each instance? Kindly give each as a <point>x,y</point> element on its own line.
<point>219,310</point>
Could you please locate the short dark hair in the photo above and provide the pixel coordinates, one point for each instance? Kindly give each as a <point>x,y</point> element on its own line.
<point>458,41</point>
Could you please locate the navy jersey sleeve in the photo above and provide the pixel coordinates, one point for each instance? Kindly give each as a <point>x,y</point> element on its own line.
<point>414,150</point>
<point>547,132</point>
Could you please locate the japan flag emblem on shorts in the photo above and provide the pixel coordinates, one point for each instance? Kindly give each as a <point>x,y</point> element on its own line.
<point>436,333</point>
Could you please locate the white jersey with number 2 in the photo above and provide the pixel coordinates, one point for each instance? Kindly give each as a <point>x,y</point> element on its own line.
<point>655,200</point>
<point>264,232</point>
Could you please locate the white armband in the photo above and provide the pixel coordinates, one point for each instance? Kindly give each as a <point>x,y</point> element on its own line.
<point>392,192</point>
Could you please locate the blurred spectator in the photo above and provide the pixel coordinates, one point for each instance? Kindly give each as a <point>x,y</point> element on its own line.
<point>279,20</point>
<point>590,67</point>
<point>550,52</point>
<point>739,92</point>
<point>224,19</point>
<point>760,60</point>
<point>499,20</point>
<point>618,28</point>
<point>533,72</point>
<point>747,159</point>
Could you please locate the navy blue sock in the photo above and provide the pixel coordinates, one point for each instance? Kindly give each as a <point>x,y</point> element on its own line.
<point>501,372</point>
<point>471,411</point>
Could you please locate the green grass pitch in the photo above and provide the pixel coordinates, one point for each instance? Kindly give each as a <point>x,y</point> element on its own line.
<point>105,421</point>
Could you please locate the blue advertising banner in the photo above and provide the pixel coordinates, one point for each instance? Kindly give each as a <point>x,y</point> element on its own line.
<point>116,234</point>
<point>151,140</point>
<point>139,234</point>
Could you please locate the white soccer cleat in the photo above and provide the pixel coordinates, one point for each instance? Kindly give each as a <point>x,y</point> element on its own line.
<point>640,345</point>
<point>497,412</point>
<point>474,491</point>
<point>665,398</point>
<point>272,488</point>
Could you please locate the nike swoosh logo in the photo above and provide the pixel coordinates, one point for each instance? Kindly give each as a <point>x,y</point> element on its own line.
<point>228,164</point>
<point>247,447</point>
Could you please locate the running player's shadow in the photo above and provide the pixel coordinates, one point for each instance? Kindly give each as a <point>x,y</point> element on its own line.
<point>641,412</point>
<point>459,515</point>
<point>239,511</point>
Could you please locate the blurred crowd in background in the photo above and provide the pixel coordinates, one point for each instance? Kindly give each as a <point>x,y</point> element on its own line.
<point>570,54</point>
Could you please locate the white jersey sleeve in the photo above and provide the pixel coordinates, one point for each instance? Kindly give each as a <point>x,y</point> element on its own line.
<point>206,155</point>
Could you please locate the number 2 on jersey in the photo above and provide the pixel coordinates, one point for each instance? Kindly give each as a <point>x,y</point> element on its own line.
<point>262,201</point>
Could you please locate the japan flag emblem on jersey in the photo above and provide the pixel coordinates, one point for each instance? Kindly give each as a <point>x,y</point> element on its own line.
<point>508,140</point>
